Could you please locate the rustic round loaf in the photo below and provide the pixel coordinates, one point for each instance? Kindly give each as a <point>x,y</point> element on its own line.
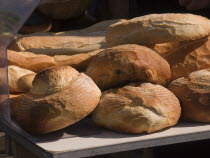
<point>126,63</point>
<point>137,108</point>
<point>193,92</point>
<point>60,96</point>
<point>158,28</point>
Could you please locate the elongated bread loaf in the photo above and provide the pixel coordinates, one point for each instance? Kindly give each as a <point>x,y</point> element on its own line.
<point>60,96</point>
<point>61,44</point>
<point>128,63</point>
<point>30,61</point>
<point>38,62</point>
<point>14,74</point>
<point>158,28</point>
<point>193,92</point>
<point>65,43</point>
<point>137,108</point>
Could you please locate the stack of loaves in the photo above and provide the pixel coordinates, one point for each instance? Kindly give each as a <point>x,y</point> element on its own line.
<point>122,61</point>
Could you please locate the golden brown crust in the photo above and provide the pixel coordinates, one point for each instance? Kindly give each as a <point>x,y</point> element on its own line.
<point>59,43</point>
<point>194,95</point>
<point>60,106</point>
<point>158,28</point>
<point>165,48</point>
<point>29,60</point>
<point>14,74</point>
<point>126,63</point>
<point>25,83</point>
<point>38,62</point>
<point>136,109</point>
<point>78,61</point>
<point>188,57</point>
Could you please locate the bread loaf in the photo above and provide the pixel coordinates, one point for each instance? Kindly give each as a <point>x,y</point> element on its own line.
<point>38,62</point>
<point>128,63</point>
<point>60,96</point>
<point>193,92</point>
<point>60,44</point>
<point>137,108</point>
<point>30,61</point>
<point>65,43</point>
<point>158,28</point>
<point>191,57</point>
<point>14,74</point>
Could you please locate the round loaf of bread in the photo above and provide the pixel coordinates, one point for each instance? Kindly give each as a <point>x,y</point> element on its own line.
<point>158,28</point>
<point>193,92</point>
<point>126,63</point>
<point>60,96</point>
<point>137,108</point>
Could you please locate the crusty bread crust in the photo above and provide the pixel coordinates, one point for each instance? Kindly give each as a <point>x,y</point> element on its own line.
<point>55,102</point>
<point>128,63</point>
<point>158,28</point>
<point>193,92</point>
<point>137,109</point>
<point>39,62</point>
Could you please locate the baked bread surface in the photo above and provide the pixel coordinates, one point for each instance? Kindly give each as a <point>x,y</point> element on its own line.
<point>158,28</point>
<point>193,92</point>
<point>60,96</point>
<point>126,63</point>
<point>137,109</point>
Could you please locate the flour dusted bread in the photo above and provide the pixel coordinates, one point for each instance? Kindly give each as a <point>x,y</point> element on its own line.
<point>14,74</point>
<point>193,92</point>
<point>158,28</point>
<point>126,63</point>
<point>137,108</point>
<point>60,96</point>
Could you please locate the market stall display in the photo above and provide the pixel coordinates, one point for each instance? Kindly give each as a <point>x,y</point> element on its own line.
<point>63,74</point>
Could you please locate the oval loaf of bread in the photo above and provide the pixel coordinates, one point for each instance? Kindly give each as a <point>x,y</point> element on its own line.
<point>137,108</point>
<point>126,63</point>
<point>60,96</point>
<point>158,28</point>
<point>193,92</point>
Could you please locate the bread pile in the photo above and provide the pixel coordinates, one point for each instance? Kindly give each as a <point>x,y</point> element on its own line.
<point>131,61</point>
